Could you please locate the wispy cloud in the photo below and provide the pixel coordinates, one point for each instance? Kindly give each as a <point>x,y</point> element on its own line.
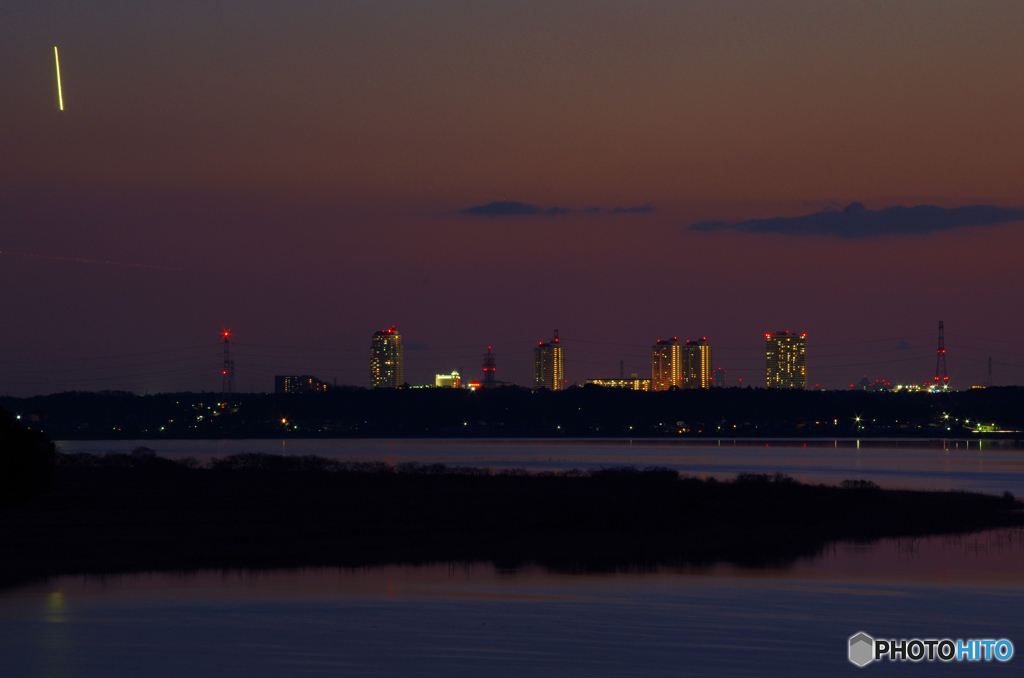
<point>639,209</point>
<point>504,208</point>
<point>855,221</point>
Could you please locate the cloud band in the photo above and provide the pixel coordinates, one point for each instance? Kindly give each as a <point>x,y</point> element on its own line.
<point>855,221</point>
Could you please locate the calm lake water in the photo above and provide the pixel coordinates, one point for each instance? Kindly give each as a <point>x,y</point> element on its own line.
<point>472,620</point>
<point>469,619</point>
<point>986,466</point>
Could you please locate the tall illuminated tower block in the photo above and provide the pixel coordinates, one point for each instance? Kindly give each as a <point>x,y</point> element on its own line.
<point>666,365</point>
<point>386,359</point>
<point>697,364</point>
<point>548,371</point>
<point>786,360</point>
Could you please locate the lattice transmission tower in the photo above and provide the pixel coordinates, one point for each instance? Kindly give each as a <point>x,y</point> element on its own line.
<point>228,369</point>
<point>490,367</point>
<point>941,378</point>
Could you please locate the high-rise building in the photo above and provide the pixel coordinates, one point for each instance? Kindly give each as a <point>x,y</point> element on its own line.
<point>298,384</point>
<point>697,364</point>
<point>453,380</point>
<point>547,365</point>
<point>666,364</point>
<point>786,355</point>
<point>386,359</point>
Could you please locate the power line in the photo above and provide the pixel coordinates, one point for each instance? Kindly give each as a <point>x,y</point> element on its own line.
<point>108,367</point>
<point>986,350</point>
<point>752,346</point>
<point>366,350</point>
<point>1000,341</point>
<point>190,371</point>
<point>113,357</point>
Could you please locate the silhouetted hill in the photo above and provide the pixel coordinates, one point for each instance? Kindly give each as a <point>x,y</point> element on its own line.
<point>26,461</point>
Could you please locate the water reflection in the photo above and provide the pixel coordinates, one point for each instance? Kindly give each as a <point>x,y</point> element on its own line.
<point>992,557</point>
<point>992,466</point>
<point>472,619</point>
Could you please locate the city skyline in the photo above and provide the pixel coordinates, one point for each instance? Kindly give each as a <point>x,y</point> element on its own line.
<point>685,365</point>
<point>307,177</point>
<point>589,360</point>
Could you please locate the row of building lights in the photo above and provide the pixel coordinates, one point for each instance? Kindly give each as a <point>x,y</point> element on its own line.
<point>673,364</point>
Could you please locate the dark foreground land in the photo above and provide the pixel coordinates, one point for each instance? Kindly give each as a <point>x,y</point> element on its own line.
<point>139,512</point>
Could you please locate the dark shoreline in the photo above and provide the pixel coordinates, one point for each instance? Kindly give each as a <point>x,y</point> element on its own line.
<point>516,412</point>
<point>124,513</point>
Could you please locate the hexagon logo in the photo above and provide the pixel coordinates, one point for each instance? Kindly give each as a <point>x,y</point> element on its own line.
<point>862,649</point>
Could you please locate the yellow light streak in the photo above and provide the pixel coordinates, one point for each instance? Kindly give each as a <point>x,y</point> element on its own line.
<point>60,96</point>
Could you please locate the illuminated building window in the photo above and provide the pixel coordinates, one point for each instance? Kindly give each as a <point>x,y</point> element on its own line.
<point>298,384</point>
<point>786,363</point>
<point>666,365</point>
<point>386,359</point>
<point>453,380</point>
<point>548,369</point>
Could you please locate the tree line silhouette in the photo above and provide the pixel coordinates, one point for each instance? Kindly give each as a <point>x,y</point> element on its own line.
<point>519,412</point>
<point>138,511</point>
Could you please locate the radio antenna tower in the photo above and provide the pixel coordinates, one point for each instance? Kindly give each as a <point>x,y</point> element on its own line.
<point>941,378</point>
<point>489,369</point>
<point>228,368</point>
<point>988,382</point>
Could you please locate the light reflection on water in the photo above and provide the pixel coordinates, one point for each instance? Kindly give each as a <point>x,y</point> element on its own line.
<point>982,466</point>
<point>470,619</point>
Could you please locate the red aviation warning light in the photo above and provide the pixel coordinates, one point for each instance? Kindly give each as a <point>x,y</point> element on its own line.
<point>226,370</point>
<point>941,377</point>
<point>490,367</point>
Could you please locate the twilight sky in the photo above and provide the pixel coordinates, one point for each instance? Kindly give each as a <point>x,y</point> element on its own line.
<point>308,171</point>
